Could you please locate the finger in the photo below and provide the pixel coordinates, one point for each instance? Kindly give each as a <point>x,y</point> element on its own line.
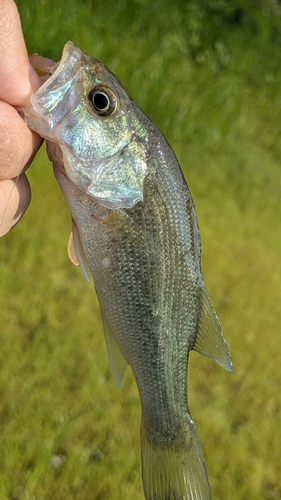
<point>18,143</point>
<point>18,80</point>
<point>15,196</point>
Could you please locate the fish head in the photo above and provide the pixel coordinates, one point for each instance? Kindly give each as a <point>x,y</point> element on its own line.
<point>84,109</point>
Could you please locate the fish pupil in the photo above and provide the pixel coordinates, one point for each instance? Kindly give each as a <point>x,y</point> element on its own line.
<point>100,101</point>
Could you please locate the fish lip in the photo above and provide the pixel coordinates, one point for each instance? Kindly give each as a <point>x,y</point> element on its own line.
<point>68,49</point>
<point>71,54</point>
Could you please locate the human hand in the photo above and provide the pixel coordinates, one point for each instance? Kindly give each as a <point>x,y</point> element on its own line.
<point>18,144</point>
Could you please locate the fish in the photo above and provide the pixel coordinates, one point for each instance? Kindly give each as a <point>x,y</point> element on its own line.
<point>135,230</point>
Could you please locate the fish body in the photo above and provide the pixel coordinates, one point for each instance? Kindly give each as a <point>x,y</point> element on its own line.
<point>135,230</point>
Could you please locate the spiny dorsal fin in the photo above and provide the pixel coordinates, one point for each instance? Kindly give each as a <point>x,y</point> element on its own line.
<point>116,360</point>
<point>76,253</point>
<point>209,340</point>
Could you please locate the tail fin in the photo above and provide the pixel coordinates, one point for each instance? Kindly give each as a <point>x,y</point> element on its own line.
<point>174,472</point>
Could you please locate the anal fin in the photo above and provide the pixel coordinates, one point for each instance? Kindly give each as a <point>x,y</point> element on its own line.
<point>209,340</point>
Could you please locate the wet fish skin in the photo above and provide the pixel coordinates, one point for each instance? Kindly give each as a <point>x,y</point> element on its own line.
<point>139,237</point>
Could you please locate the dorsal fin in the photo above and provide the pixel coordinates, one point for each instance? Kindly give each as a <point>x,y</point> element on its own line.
<point>116,360</point>
<point>76,253</point>
<point>209,340</point>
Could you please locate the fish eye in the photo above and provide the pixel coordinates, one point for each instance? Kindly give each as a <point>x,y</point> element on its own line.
<point>103,101</point>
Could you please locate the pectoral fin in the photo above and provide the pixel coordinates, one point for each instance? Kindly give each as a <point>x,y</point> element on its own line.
<point>76,253</point>
<point>116,360</point>
<point>209,340</point>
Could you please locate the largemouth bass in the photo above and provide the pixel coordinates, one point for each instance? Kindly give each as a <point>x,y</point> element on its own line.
<point>135,229</point>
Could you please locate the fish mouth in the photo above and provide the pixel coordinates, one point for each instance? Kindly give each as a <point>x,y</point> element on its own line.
<point>67,68</point>
<point>45,67</point>
<point>58,96</point>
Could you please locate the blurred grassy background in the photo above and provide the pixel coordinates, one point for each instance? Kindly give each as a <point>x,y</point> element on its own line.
<point>208,72</point>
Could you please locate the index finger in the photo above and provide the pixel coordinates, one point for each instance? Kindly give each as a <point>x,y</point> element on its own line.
<point>18,80</point>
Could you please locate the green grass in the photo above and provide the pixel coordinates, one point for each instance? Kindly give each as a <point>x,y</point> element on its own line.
<point>213,87</point>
